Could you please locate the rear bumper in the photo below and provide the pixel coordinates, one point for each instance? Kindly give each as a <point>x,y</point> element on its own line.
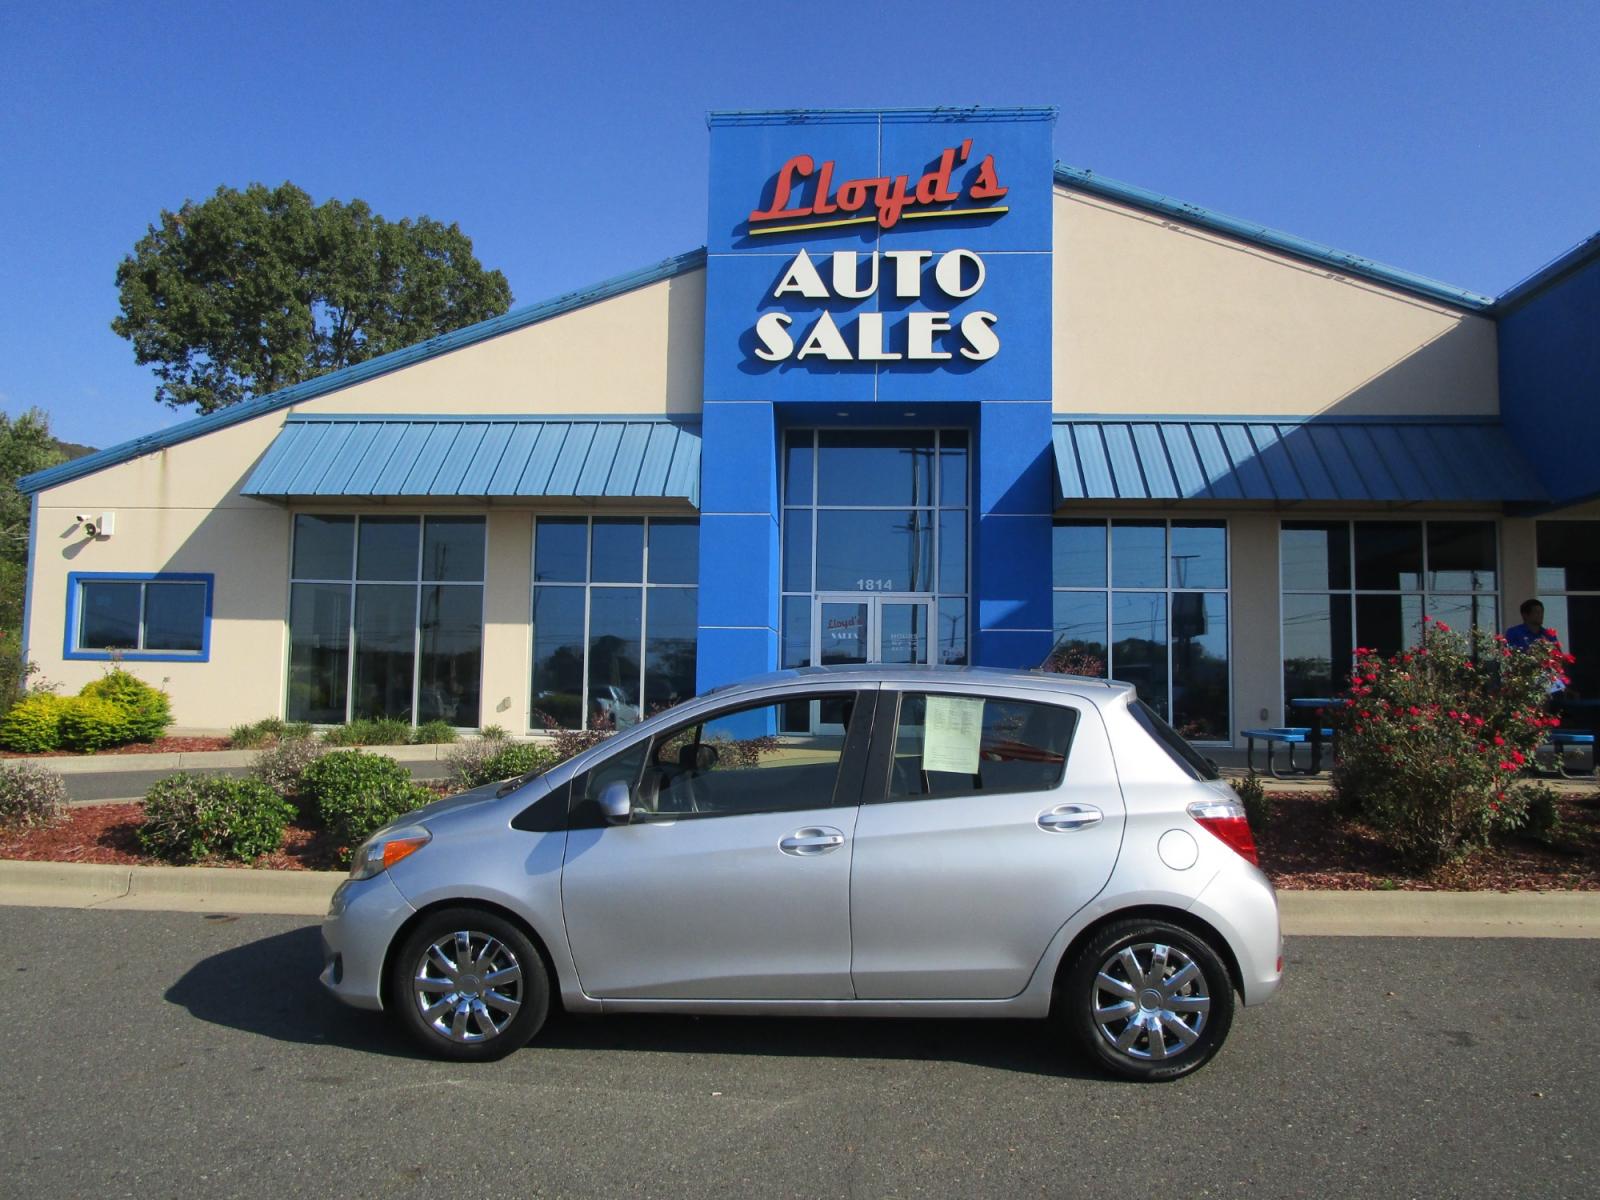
<point>361,923</point>
<point>1242,905</point>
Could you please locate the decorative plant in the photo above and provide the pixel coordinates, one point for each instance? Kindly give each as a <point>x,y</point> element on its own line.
<point>1431,738</point>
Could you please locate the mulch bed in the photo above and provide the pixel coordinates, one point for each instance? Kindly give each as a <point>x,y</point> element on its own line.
<point>166,745</point>
<point>1304,847</point>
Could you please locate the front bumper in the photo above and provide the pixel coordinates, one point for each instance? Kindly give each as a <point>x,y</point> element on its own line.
<point>356,934</point>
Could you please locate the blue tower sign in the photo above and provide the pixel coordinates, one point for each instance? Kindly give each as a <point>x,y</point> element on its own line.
<point>870,269</point>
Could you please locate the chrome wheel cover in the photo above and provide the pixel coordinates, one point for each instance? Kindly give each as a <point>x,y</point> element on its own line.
<point>1149,1001</point>
<point>468,986</point>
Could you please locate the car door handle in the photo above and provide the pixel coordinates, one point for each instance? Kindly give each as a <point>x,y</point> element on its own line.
<point>1065,818</point>
<point>819,840</point>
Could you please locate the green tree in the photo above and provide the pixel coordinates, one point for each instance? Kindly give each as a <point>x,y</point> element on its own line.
<point>25,446</point>
<point>253,291</point>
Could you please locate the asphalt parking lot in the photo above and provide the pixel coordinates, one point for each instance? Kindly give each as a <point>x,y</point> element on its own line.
<point>155,1054</point>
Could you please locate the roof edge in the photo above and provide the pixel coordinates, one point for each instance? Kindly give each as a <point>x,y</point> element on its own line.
<point>1069,418</point>
<point>457,339</point>
<point>1553,272</point>
<point>680,419</point>
<point>1273,239</point>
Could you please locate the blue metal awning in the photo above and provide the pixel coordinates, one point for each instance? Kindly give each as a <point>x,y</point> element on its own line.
<point>351,455</point>
<point>1286,460</point>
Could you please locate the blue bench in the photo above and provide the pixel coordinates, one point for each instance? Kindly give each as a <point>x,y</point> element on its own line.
<point>1563,740</point>
<point>1288,736</point>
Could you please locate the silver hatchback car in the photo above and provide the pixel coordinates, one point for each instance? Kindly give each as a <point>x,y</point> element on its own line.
<point>866,841</point>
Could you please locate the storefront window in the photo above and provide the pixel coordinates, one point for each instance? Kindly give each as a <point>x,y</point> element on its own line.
<point>615,617</point>
<point>1569,585</point>
<point>880,515</point>
<point>386,619</point>
<point>1370,583</point>
<point>1161,625</point>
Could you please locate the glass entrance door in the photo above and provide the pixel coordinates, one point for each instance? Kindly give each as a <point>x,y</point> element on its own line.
<point>853,629</point>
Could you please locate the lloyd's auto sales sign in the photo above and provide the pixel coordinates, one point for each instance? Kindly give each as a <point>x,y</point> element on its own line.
<point>884,201</point>
<point>894,255</point>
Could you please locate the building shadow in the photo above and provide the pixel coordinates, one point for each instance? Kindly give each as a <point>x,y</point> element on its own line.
<point>268,988</point>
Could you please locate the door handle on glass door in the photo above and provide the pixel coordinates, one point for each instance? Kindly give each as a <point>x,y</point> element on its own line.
<point>1064,818</point>
<point>816,840</point>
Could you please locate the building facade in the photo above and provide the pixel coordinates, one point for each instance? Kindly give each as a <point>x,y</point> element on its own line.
<point>924,396</point>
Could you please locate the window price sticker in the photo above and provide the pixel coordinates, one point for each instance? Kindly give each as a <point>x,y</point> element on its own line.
<point>952,729</point>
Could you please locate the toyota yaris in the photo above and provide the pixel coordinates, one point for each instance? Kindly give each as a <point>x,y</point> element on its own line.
<point>869,841</point>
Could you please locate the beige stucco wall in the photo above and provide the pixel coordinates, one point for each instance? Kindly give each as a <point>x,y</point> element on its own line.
<point>639,352</point>
<point>179,509</point>
<point>1154,316</point>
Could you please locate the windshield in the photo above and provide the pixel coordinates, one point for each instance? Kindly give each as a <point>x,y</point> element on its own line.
<point>1193,763</point>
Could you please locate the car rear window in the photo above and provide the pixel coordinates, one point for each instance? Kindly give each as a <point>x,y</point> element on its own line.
<point>1190,760</point>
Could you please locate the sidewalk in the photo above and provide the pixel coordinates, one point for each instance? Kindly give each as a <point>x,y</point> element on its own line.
<point>306,893</point>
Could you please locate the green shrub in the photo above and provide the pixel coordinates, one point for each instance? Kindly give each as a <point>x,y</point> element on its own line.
<point>34,724</point>
<point>1431,738</point>
<point>358,793</point>
<point>93,723</point>
<point>282,767</point>
<point>147,710</point>
<point>473,764</point>
<point>1257,804</point>
<point>494,733</point>
<point>1531,808</point>
<point>431,733</point>
<point>30,796</point>
<point>381,731</point>
<point>264,732</point>
<point>189,817</point>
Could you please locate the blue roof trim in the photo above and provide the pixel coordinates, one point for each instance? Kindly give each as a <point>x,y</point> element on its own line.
<point>439,455</point>
<point>1261,235</point>
<point>1552,273</point>
<point>443,344</point>
<point>854,116</point>
<point>1289,460</point>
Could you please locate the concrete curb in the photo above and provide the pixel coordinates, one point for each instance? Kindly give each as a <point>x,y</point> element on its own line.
<point>306,893</point>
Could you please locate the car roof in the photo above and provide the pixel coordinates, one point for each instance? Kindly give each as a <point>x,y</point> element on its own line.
<point>931,676</point>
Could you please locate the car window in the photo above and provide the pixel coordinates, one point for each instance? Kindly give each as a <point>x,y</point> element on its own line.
<point>967,745</point>
<point>1189,760</point>
<point>741,761</point>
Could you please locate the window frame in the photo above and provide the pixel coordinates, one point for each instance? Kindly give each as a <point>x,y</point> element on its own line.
<point>1422,592</point>
<point>353,581</point>
<point>886,724</point>
<point>1110,591</point>
<point>73,651</point>
<point>588,584</point>
<point>1564,593</point>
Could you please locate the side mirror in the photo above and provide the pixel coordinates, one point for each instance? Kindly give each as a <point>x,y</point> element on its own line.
<point>616,803</point>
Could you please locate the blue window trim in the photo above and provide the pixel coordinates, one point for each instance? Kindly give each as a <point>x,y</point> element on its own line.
<point>75,582</point>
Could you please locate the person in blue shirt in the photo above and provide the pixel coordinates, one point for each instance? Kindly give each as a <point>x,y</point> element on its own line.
<point>1532,629</point>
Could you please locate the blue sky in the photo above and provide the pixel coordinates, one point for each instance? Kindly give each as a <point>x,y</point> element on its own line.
<point>568,141</point>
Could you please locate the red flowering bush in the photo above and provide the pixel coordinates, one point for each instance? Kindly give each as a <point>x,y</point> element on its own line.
<point>1431,738</point>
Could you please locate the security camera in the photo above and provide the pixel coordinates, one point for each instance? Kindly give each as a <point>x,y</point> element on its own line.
<point>97,526</point>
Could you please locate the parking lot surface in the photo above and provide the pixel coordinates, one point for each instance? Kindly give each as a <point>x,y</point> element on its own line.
<point>157,1054</point>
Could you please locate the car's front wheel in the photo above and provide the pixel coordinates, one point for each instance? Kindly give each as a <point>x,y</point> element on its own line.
<point>469,985</point>
<point>1147,1000</point>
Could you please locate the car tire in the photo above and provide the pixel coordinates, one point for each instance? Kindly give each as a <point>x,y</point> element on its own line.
<point>469,985</point>
<point>1147,1000</point>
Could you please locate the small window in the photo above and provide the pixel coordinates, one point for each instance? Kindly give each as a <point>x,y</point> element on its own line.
<point>964,745</point>
<point>1189,760</point>
<point>733,763</point>
<point>139,617</point>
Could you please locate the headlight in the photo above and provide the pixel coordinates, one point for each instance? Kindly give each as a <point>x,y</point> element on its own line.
<point>387,847</point>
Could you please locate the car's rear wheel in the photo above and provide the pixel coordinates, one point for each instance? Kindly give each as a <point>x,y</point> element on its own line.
<point>1147,1000</point>
<point>469,985</point>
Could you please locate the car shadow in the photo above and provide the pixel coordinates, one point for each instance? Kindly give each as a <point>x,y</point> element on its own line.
<point>269,988</point>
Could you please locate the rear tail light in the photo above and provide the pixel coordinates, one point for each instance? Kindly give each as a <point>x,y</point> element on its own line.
<point>1225,820</point>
